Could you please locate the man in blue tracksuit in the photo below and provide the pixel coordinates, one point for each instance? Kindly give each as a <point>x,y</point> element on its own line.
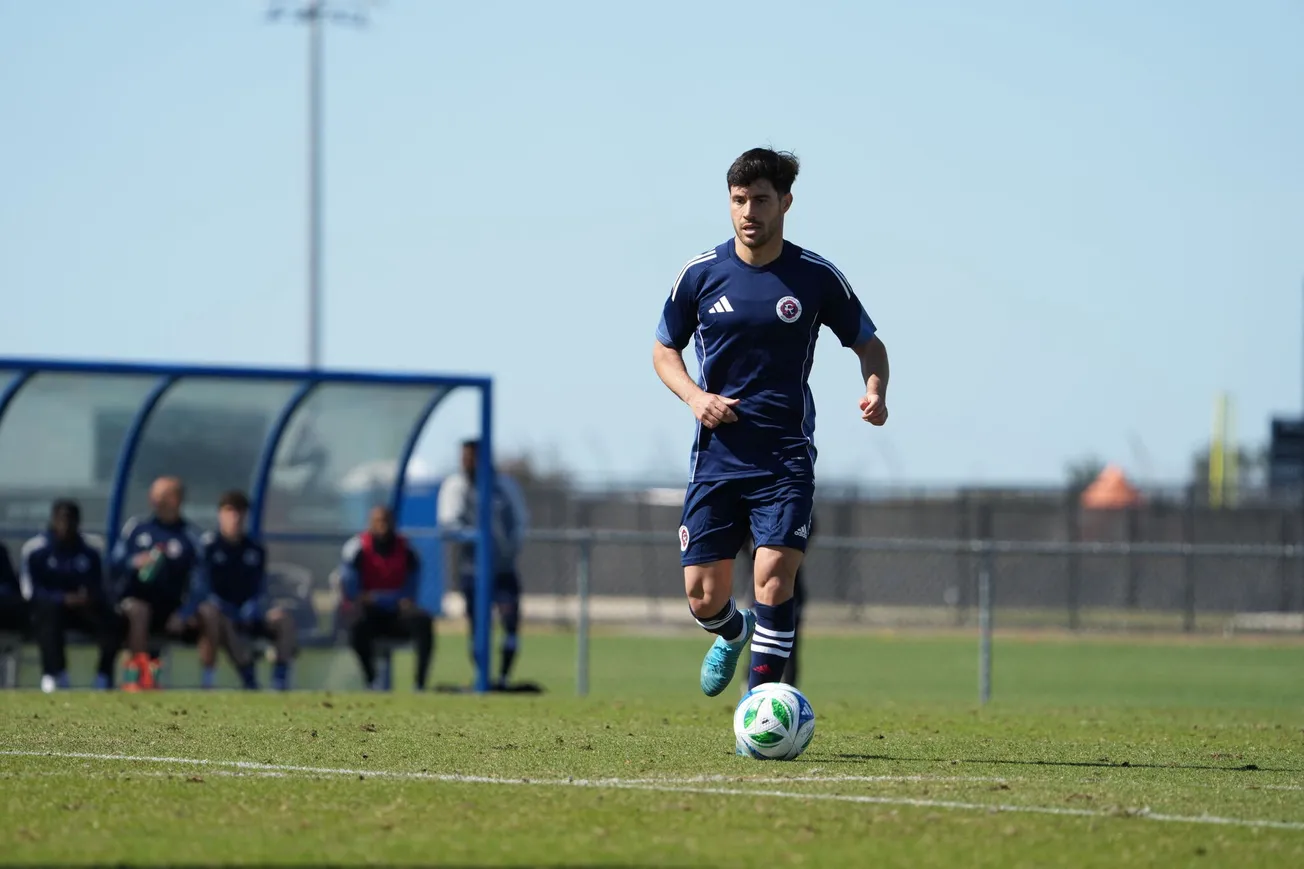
<point>153,565</point>
<point>232,578</point>
<point>457,511</point>
<point>63,582</point>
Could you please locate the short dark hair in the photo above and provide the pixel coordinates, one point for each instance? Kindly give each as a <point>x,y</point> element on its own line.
<point>235,499</point>
<point>780,168</point>
<point>66,507</point>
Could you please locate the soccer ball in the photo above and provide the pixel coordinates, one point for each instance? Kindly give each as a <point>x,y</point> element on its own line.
<point>773,721</point>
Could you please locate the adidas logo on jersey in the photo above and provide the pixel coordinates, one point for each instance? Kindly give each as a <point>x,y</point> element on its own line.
<point>722,306</point>
<point>804,531</point>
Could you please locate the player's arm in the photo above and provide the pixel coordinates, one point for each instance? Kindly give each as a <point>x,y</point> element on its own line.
<point>350,574</point>
<point>874,370</point>
<point>846,316</point>
<point>32,580</point>
<point>451,500</point>
<point>412,581</point>
<point>678,320</point>
<point>253,609</point>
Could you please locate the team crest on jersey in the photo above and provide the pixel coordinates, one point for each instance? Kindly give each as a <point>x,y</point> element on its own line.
<point>788,309</point>
<point>683,538</point>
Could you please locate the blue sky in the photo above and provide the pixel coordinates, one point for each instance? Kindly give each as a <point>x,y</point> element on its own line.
<point>1073,223</point>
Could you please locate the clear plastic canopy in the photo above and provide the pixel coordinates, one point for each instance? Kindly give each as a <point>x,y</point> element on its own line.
<point>101,433</point>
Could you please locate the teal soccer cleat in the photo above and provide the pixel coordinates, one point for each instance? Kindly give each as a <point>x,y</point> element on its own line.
<point>720,662</point>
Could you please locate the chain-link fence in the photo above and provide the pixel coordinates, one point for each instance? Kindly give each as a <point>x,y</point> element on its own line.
<point>634,578</point>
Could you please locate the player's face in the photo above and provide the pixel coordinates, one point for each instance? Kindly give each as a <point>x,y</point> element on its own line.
<point>379,523</point>
<point>468,459</point>
<point>758,213</point>
<point>63,525</point>
<point>166,498</point>
<point>231,522</point>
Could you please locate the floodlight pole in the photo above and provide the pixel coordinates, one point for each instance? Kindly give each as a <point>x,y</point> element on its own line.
<point>313,13</point>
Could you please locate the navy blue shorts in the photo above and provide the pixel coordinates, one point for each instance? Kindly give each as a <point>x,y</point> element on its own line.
<point>507,590</point>
<point>720,514</point>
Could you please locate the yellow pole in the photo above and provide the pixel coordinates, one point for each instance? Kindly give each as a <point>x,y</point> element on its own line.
<point>1216,446</point>
<point>1233,455</point>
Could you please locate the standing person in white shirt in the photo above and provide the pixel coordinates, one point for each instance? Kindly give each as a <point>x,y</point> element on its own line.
<point>456,511</point>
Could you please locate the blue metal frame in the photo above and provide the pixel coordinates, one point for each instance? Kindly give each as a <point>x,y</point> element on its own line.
<point>410,447</point>
<point>168,375</point>
<point>12,389</point>
<point>235,373</point>
<point>484,562</point>
<point>263,474</point>
<point>122,472</point>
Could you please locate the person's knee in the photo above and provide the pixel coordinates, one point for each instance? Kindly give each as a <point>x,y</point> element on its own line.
<point>775,573</point>
<point>279,623</point>
<point>708,586</point>
<point>137,611</point>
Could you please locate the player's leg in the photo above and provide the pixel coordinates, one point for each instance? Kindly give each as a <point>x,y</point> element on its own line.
<point>780,514</point>
<point>468,601</point>
<point>710,535</point>
<point>101,622</point>
<point>280,629</point>
<point>235,640</point>
<point>48,618</point>
<point>420,628</point>
<point>215,630</point>
<point>362,637</point>
<point>507,598</point>
<point>798,601</point>
<point>138,614</point>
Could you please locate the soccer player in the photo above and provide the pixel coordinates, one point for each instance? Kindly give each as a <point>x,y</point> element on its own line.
<point>63,581</point>
<point>754,306</point>
<point>13,608</point>
<point>381,573</point>
<point>457,510</point>
<point>153,564</point>
<point>232,578</point>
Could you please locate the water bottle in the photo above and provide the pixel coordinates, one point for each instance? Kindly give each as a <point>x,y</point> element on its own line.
<point>150,568</point>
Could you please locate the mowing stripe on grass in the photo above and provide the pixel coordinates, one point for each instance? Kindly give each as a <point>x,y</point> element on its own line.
<point>670,786</point>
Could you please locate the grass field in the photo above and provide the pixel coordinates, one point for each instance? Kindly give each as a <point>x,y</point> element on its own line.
<point>1093,753</point>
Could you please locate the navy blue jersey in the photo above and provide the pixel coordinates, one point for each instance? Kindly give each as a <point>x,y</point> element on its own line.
<point>235,572</point>
<point>50,571</point>
<point>755,330</point>
<point>175,550</point>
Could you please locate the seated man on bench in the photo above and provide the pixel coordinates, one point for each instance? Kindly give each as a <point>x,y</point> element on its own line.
<point>63,580</point>
<point>232,577</point>
<point>153,563</point>
<point>380,574</point>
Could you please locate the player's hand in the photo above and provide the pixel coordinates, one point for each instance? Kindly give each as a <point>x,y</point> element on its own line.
<point>873,408</point>
<point>175,624</point>
<point>405,606</point>
<point>141,559</point>
<point>713,410</point>
<point>76,598</point>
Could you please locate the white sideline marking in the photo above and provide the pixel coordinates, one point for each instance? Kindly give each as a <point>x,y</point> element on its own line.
<point>670,786</point>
